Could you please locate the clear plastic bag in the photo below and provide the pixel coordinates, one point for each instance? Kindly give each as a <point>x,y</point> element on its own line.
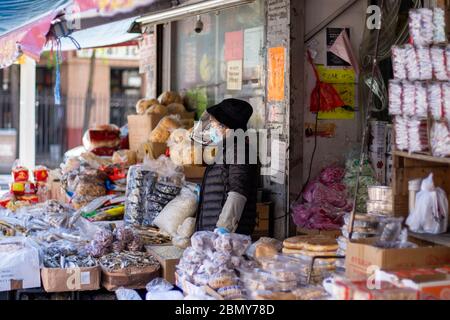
<point>127,294</point>
<point>177,211</point>
<point>158,285</point>
<point>430,214</point>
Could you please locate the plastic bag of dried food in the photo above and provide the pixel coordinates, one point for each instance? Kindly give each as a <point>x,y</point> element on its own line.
<point>332,174</point>
<point>320,216</point>
<point>176,211</point>
<point>203,241</point>
<point>140,180</point>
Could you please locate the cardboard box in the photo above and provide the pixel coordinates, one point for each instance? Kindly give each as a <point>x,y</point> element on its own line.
<point>194,172</point>
<point>129,278</point>
<point>71,279</point>
<point>168,257</point>
<point>331,233</point>
<point>262,217</point>
<point>140,127</point>
<point>362,256</point>
<point>433,283</point>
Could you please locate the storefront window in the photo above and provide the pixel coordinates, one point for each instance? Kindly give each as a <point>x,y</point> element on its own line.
<point>224,60</point>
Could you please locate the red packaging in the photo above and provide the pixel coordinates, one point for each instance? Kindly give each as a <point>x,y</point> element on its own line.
<point>23,188</point>
<point>6,199</point>
<point>40,174</point>
<point>20,174</point>
<point>29,198</point>
<point>104,151</point>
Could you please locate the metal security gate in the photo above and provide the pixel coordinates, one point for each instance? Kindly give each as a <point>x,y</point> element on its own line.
<point>51,137</point>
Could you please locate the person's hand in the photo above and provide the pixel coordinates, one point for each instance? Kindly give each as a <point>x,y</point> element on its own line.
<point>221,231</point>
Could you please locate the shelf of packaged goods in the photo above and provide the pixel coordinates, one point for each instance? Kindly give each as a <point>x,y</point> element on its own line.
<point>440,239</point>
<point>421,157</point>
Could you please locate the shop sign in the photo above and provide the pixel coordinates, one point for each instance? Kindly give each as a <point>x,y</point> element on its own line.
<point>234,75</point>
<point>111,7</point>
<point>114,53</point>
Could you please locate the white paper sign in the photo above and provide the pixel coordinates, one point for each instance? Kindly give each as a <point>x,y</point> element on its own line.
<point>278,161</point>
<point>234,75</point>
<point>85,278</point>
<point>253,38</point>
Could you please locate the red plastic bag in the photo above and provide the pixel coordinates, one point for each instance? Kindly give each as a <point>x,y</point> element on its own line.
<point>324,97</point>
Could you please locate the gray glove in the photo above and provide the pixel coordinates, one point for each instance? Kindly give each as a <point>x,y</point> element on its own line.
<point>232,211</point>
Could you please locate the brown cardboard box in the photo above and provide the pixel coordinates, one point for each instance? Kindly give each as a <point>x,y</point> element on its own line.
<point>71,279</point>
<point>262,217</point>
<point>332,233</point>
<point>129,278</point>
<point>194,172</point>
<point>361,255</point>
<point>168,257</point>
<point>139,128</point>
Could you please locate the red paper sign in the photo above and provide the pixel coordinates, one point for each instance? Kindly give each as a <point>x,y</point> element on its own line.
<point>234,45</point>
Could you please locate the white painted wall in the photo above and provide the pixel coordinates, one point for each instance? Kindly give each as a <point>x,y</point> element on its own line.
<point>332,150</point>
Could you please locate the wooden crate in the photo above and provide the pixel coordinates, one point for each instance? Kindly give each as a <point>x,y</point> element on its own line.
<point>407,167</point>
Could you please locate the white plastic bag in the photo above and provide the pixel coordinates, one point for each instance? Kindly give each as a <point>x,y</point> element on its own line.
<point>176,211</point>
<point>127,294</point>
<point>431,212</point>
<point>160,289</point>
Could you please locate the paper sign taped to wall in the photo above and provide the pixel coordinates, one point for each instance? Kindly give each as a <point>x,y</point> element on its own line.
<point>343,80</point>
<point>234,75</point>
<point>276,74</point>
<point>234,45</point>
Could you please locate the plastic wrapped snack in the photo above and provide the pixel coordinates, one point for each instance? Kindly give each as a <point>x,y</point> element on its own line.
<point>104,136</point>
<point>440,139</point>
<point>418,135</point>
<point>435,103</point>
<point>425,65</point>
<point>439,32</point>
<point>143,104</point>
<point>421,26</point>
<point>438,59</point>
<point>412,63</point>
<point>395,97</point>
<point>164,128</point>
<point>401,133</point>
<point>203,240</point>
<point>399,63</point>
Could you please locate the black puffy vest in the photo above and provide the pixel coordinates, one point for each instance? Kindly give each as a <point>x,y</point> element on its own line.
<point>219,179</point>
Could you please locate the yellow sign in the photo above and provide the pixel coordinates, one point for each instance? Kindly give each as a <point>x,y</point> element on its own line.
<point>344,81</point>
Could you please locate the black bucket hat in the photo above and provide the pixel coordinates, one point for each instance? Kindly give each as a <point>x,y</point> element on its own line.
<point>233,113</point>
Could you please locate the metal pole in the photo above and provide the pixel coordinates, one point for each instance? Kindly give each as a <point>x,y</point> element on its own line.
<point>365,126</point>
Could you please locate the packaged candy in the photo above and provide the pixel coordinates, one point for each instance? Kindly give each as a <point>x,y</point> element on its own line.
<point>440,139</point>
<point>23,188</point>
<point>399,63</point>
<point>20,173</point>
<point>40,174</point>
<point>438,59</point>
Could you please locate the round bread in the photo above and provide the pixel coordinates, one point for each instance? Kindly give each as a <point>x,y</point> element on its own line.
<point>157,109</point>
<point>221,281</point>
<point>321,244</point>
<point>176,108</point>
<point>143,104</point>
<point>170,97</point>
<point>299,242</point>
